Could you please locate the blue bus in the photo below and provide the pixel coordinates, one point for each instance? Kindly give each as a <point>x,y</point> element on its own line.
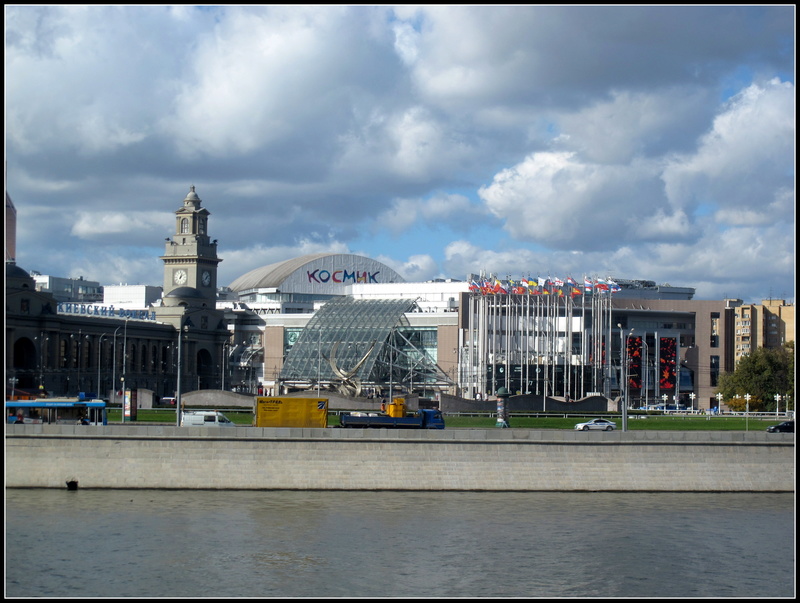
<point>63,411</point>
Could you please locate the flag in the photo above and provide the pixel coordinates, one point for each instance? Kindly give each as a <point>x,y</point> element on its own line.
<point>587,283</point>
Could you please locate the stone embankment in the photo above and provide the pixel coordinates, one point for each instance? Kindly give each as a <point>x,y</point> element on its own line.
<point>139,456</point>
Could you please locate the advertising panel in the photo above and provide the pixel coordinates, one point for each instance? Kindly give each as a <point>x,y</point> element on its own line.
<point>291,412</point>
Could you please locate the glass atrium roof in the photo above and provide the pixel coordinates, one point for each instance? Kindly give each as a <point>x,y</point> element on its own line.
<point>349,343</point>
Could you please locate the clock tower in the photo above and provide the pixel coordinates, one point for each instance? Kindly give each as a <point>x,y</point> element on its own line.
<point>190,258</point>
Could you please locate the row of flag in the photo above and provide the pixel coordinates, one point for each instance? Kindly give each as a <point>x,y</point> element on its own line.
<point>542,286</point>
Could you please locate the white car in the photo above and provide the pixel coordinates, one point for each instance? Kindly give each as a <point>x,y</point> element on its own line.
<point>603,424</point>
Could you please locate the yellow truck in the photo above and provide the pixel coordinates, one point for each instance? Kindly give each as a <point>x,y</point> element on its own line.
<point>290,412</point>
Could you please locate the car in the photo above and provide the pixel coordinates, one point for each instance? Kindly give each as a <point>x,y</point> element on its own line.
<point>603,424</point>
<point>785,427</point>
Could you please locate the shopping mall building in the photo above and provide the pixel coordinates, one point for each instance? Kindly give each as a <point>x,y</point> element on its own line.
<point>351,324</point>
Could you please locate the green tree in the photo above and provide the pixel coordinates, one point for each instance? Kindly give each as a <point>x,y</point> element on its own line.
<point>762,374</point>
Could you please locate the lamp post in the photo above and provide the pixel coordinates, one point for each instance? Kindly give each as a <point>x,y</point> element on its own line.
<point>720,397</point>
<point>125,400</point>
<point>99,349</point>
<point>114,366</point>
<point>43,342</point>
<point>747,412</point>
<point>621,364</point>
<point>777,404</point>
<point>623,343</point>
<point>225,350</point>
<point>180,360</point>
<point>75,357</point>
<point>646,371</point>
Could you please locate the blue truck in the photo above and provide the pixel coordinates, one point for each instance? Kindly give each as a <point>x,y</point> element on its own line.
<point>422,419</point>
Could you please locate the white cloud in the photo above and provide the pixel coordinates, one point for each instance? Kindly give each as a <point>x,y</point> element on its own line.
<point>406,40</point>
<point>454,211</point>
<point>417,268</point>
<point>239,261</point>
<point>557,200</point>
<point>275,76</point>
<point>635,124</point>
<point>94,225</point>
<point>594,137</point>
<point>745,159</point>
<point>88,78</point>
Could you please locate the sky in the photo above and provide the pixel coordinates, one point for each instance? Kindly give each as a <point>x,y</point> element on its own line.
<point>652,142</point>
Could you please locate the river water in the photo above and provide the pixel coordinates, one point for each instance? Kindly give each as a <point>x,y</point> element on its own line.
<point>157,543</point>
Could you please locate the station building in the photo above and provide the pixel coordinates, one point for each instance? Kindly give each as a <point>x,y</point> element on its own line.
<point>68,348</point>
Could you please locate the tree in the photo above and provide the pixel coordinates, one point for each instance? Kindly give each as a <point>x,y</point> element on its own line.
<point>762,374</point>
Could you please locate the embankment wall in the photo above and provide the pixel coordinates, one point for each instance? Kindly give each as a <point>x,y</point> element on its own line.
<point>125,456</point>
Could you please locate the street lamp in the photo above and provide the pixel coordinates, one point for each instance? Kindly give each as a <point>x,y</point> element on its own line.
<point>225,351</point>
<point>623,342</point>
<point>125,400</point>
<point>180,361</point>
<point>99,349</point>
<point>114,366</point>
<point>182,327</point>
<point>777,404</point>
<point>747,412</point>
<point>43,342</point>
<point>646,371</point>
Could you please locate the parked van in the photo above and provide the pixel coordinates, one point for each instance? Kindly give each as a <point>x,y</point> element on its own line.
<point>205,418</point>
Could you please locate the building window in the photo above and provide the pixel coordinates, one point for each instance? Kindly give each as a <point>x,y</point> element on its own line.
<point>185,226</point>
<point>714,364</point>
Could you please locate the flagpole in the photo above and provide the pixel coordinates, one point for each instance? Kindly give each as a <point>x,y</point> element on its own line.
<point>583,343</point>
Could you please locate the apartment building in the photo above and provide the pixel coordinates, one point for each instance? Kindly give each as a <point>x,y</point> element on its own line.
<point>769,324</point>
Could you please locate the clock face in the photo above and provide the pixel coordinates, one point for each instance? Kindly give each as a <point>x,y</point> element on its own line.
<point>180,277</point>
<point>206,278</point>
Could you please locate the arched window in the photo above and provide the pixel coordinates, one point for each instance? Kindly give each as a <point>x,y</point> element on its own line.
<point>185,226</point>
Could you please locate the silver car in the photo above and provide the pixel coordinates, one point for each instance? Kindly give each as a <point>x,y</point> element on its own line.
<point>603,424</point>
